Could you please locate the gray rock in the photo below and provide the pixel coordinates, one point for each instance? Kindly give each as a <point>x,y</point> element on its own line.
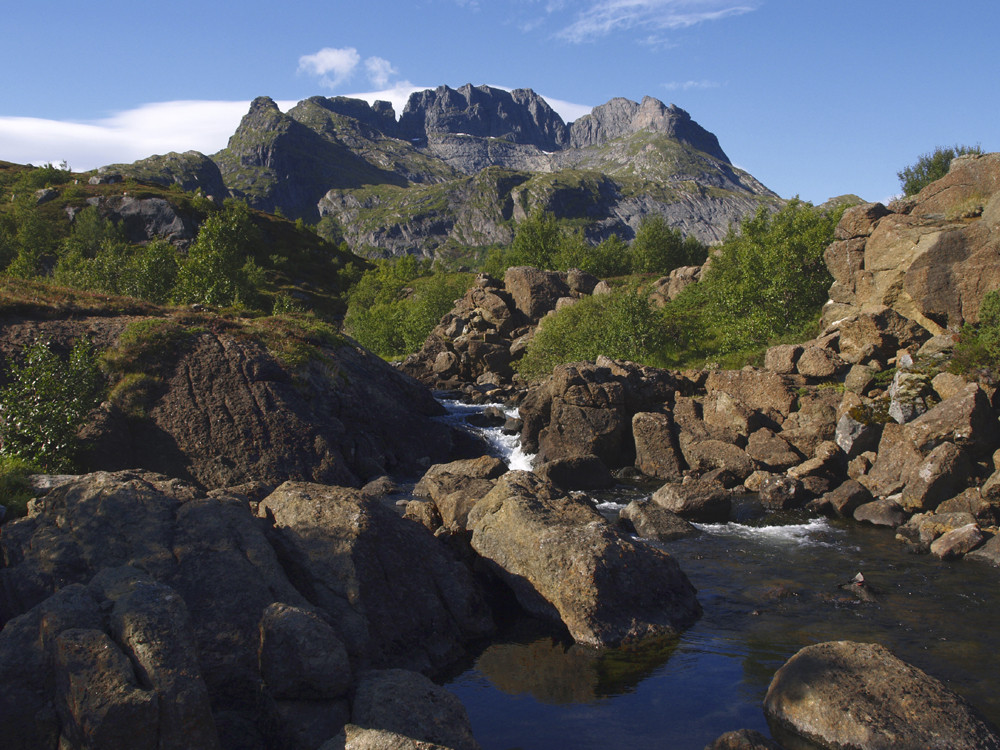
<point>844,500</point>
<point>782,493</point>
<point>577,473</point>
<point>881,513</point>
<point>855,437</point>
<point>989,552</point>
<point>845,694</point>
<point>656,451</point>
<point>301,657</point>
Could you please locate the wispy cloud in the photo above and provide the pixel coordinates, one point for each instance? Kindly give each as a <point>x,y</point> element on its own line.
<point>689,85</point>
<point>606,17</point>
<point>380,71</point>
<point>333,66</point>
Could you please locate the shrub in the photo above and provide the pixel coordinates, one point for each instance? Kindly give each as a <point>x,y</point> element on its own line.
<point>220,269</point>
<point>931,167</point>
<point>659,248</point>
<point>621,325</point>
<point>769,278</point>
<point>15,490</point>
<point>45,403</point>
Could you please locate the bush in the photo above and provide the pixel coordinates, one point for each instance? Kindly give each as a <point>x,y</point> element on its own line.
<point>621,325</point>
<point>658,248</point>
<point>395,305</point>
<point>45,403</point>
<point>15,490</point>
<point>931,167</point>
<point>220,268</point>
<point>769,279</point>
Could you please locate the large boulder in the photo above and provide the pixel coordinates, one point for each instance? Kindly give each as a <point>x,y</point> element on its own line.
<point>396,596</point>
<point>697,500</point>
<point>859,695</point>
<point>564,562</point>
<point>455,487</point>
<point>656,451</point>
<point>534,291</point>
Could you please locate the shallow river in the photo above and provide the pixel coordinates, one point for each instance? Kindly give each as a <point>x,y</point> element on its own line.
<point>769,586</point>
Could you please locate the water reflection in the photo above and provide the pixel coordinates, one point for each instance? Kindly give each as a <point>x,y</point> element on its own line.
<point>556,671</point>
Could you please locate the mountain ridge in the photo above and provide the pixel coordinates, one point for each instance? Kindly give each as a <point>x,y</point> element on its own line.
<point>357,164</point>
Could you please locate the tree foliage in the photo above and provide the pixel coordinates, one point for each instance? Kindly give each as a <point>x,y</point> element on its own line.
<point>45,402</point>
<point>396,304</point>
<point>220,268</point>
<point>930,167</point>
<point>769,277</point>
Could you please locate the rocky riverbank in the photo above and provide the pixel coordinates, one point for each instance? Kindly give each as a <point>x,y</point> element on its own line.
<point>234,574</point>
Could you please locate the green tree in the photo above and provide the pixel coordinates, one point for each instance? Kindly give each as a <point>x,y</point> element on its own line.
<point>660,248</point>
<point>536,241</point>
<point>45,402</point>
<point>769,278</point>
<point>220,268</point>
<point>931,167</point>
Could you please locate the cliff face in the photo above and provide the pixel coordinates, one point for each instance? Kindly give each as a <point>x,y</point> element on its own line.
<point>413,185</point>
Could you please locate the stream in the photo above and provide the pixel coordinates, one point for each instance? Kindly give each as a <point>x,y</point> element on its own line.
<point>769,585</point>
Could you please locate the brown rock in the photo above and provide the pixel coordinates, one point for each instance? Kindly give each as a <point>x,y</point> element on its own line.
<point>301,656</point>
<point>860,220</point>
<point>877,335</point>
<point>410,705</point>
<point>564,562</point>
<point>533,291</point>
<point>394,592</point>
<point>656,451</point>
<point>771,451</point>
<point>844,500</point>
<point>758,390</point>
<point>652,521</point>
<point>782,358</point>
<point>881,513</point>
<point>696,500</point>
<point>819,363</point>
<point>743,739</point>
<point>957,542</point>
<point>577,473</point>
<point>942,474</point>
<point>845,694</point>
<point>709,455</point>
<point>782,493</point>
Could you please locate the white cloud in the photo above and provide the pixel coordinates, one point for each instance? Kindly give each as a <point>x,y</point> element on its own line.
<point>608,16</point>
<point>333,66</point>
<point>380,71</point>
<point>150,129</point>
<point>568,111</point>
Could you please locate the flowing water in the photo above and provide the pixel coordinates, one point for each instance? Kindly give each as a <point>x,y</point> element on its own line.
<point>769,585</point>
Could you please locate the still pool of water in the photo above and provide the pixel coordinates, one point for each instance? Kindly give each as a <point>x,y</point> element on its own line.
<point>768,588</point>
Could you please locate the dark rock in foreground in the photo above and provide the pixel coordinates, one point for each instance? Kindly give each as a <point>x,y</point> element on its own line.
<point>858,695</point>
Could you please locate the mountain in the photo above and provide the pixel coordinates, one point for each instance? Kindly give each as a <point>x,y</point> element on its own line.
<point>460,167</point>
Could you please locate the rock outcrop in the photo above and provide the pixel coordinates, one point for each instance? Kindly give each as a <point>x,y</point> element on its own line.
<point>139,612</point>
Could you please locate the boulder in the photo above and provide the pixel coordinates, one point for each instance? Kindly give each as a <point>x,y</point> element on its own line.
<point>577,473</point>
<point>988,552</point>
<point>877,335</point>
<point>859,221</point>
<point>743,739</point>
<point>709,455</point>
<point>782,358</point>
<point>855,436</point>
<point>924,528</point>
<point>394,592</point>
<point>881,513</point>
<point>456,486</point>
<point>696,500</point>
<point>957,542</point>
<point>782,493</point>
<point>301,656</point>
<point>759,390</point>
<point>845,694</point>
<point>844,500</point>
<point>565,563</point>
<point>652,521</point>
<point>656,451</point>
<point>771,451</point>
<point>410,705</point>
<point>534,292</point>
<point>819,363</point>
<point>941,475</point>
<point>354,737</point>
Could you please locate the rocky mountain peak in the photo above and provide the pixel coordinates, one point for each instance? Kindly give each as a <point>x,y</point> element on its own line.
<point>621,117</point>
<point>519,116</point>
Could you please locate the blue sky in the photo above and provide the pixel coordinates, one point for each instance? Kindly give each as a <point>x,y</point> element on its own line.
<point>813,98</point>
